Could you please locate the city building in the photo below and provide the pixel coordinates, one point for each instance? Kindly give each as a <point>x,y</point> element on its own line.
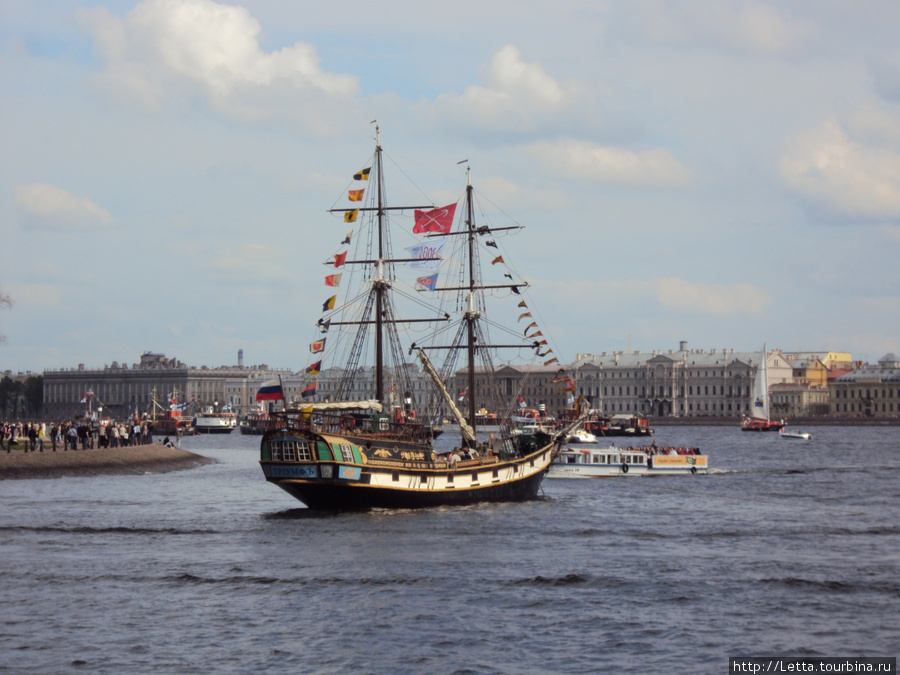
<point>798,399</point>
<point>118,391</point>
<point>537,387</point>
<point>682,383</point>
<point>869,391</point>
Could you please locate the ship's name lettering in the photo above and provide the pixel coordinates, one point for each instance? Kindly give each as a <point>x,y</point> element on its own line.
<point>291,471</point>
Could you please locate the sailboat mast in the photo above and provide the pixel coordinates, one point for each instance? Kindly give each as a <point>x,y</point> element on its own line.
<point>765,370</point>
<point>380,285</point>
<point>470,313</point>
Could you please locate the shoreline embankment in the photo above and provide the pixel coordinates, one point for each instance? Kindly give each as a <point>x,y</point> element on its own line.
<point>136,459</point>
<point>791,421</point>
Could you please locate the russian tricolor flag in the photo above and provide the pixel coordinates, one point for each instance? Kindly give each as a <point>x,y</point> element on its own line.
<point>270,391</point>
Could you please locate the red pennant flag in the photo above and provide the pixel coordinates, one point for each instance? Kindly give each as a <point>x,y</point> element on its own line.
<point>553,360</point>
<point>333,280</point>
<point>340,258</point>
<point>314,369</point>
<point>534,335</point>
<point>309,390</point>
<point>533,324</point>
<point>317,346</point>
<point>499,258</point>
<point>437,220</point>
<point>522,316</point>
<point>356,195</point>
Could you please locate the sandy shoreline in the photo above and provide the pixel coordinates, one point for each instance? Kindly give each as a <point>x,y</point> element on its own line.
<point>154,457</point>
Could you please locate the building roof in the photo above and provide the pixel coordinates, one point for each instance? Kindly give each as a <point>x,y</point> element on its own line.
<point>871,373</point>
<point>691,357</point>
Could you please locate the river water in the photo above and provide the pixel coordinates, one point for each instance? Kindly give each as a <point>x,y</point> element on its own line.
<point>788,547</point>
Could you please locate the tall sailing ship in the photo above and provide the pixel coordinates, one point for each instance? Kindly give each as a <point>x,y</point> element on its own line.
<point>377,450</point>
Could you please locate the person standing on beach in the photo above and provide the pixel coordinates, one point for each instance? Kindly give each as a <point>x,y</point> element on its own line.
<point>32,437</point>
<point>41,435</point>
<point>54,436</point>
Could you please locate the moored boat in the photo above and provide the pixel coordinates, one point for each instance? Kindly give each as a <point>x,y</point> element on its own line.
<point>621,424</point>
<point>170,421</point>
<point>211,422</point>
<point>611,462</point>
<point>257,423</point>
<point>373,452</point>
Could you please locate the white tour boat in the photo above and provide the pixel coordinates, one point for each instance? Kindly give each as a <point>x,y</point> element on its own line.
<point>209,422</point>
<point>632,461</point>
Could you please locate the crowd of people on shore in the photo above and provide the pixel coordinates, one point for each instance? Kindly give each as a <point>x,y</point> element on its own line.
<point>87,435</point>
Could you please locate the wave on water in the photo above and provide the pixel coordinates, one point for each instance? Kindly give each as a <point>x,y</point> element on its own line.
<point>300,514</point>
<point>83,529</point>
<point>834,586</point>
<point>249,579</point>
<point>568,580</point>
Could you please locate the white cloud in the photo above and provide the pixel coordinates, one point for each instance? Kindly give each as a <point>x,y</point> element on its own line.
<point>675,294</point>
<point>526,82</point>
<point>716,299</point>
<point>519,96</point>
<point>43,206</point>
<point>742,27</point>
<point>206,44</point>
<point>589,161</point>
<point>841,177</point>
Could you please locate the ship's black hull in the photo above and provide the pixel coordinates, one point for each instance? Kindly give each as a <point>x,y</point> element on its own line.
<point>338,495</point>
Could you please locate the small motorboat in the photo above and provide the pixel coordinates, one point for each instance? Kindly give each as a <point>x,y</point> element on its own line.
<point>797,435</point>
<point>581,436</point>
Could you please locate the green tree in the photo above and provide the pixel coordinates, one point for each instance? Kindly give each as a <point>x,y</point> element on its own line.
<point>33,395</point>
<point>10,395</point>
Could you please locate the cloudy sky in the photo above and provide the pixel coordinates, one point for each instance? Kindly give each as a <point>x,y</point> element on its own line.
<point>725,173</point>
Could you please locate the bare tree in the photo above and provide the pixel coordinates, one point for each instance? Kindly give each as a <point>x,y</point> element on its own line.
<point>5,301</point>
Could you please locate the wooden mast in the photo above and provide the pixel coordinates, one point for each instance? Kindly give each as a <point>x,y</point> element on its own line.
<point>380,285</point>
<point>470,313</point>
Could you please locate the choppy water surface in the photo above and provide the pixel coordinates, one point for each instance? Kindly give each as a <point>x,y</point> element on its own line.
<point>790,548</point>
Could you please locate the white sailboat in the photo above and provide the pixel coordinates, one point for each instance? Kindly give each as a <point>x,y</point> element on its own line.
<point>758,419</point>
